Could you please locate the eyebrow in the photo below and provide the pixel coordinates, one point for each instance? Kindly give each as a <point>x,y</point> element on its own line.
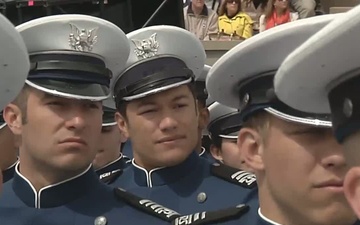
<point>47,96</point>
<point>180,97</point>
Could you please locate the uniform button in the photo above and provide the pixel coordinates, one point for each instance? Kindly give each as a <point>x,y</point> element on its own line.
<point>101,220</point>
<point>201,197</point>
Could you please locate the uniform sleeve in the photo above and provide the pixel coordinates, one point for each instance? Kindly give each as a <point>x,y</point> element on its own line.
<point>213,25</point>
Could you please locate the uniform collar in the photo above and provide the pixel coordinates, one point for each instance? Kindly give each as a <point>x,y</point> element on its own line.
<point>203,150</point>
<point>56,194</point>
<point>265,220</point>
<point>8,174</point>
<point>165,175</point>
<point>119,163</point>
<point>204,12</point>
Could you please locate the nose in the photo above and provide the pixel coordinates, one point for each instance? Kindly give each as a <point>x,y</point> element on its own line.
<point>334,161</point>
<point>76,120</point>
<point>168,123</point>
<point>335,156</point>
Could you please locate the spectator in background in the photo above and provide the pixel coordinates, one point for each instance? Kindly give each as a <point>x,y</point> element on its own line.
<point>248,6</point>
<point>277,12</point>
<point>306,8</point>
<point>200,20</point>
<point>233,21</point>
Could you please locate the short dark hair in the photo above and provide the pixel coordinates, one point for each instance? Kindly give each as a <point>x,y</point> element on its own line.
<point>259,121</point>
<point>21,102</point>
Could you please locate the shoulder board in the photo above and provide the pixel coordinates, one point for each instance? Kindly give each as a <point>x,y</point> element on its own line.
<point>235,176</point>
<point>146,206</point>
<point>110,177</point>
<point>211,217</point>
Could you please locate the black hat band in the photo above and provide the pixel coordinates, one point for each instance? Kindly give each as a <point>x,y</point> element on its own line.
<point>151,75</point>
<point>69,67</point>
<point>226,124</point>
<point>258,94</point>
<point>344,102</point>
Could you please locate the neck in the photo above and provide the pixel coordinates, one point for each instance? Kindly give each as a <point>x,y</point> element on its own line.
<point>269,207</point>
<point>144,163</point>
<point>42,175</point>
<point>231,14</point>
<point>197,10</point>
<point>149,164</point>
<point>8,160</point>
<point>112,159</point>
<point>280,11</point>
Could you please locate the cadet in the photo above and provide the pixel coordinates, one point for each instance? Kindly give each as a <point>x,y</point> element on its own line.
<point>157,109</point>
<point>58,116</point>
<point>224,126</point>
<point>334,61</point>
<point>109,161</point>
<point>298,164</point>
<point>14,67</point>
<point>203,101</point>
<point>9,151</point>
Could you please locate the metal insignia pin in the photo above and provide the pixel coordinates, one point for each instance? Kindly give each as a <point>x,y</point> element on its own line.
<point>146,48</point>
<point>82,39</point>
<point>201,197</point>
<point>347,107</point>
<point>101,220</point>
<point>246,99</point>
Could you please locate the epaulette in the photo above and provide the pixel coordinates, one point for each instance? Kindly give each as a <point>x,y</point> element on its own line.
<point>235,176</point>
<point>110,177</point>
<point>212,217</point>
<point>146,206</point>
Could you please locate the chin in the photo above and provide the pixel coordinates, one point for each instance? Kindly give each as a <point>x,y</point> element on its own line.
<point>73,162</point>
<point>338,213</point>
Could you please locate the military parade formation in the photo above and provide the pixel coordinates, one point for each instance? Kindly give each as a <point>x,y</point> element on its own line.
<point>102,127</point>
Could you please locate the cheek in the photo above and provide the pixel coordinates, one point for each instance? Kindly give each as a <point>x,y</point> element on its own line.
<point>140,129</point>
<point>231,152</point>
<point>286,160</point>
<point>95,122</point>
<point>351,150</point>
<point>190,118</point>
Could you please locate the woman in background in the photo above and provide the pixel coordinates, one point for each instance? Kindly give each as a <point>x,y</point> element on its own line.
<point>277,12</point>
<point>233,21</point>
